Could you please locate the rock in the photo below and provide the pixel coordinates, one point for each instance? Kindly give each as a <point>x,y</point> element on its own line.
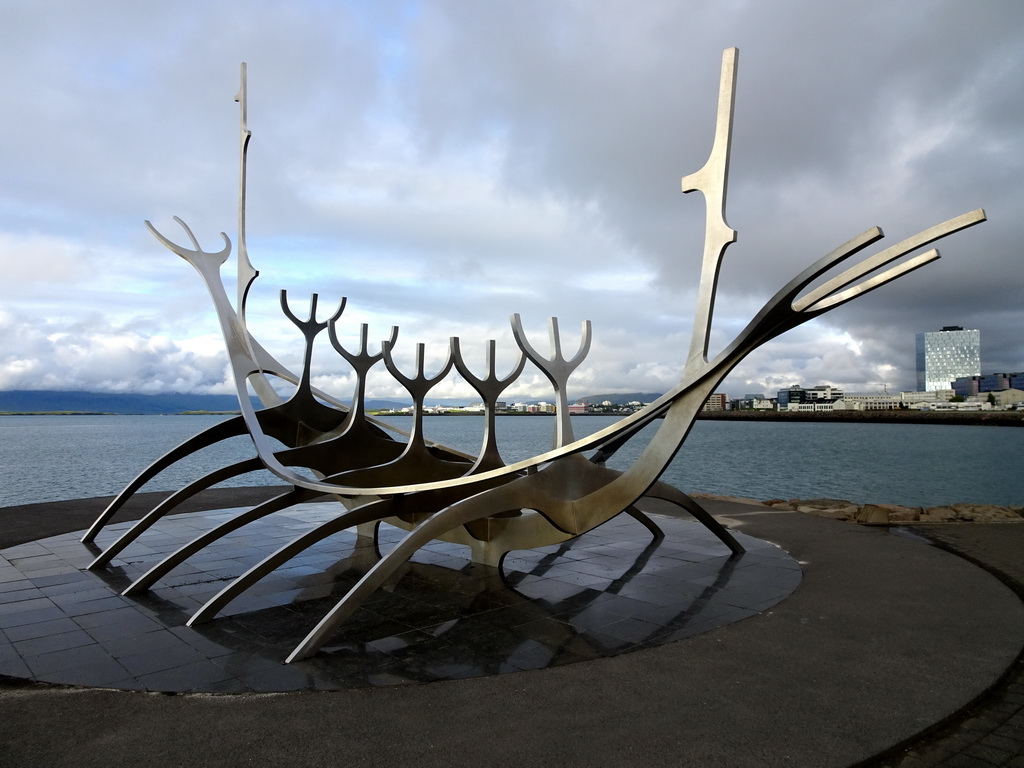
<point>781,504</point>
<point>938,515</point>
<point>873,514</point>
<point>969,513</point>
<point>901,514</point>
<point>985,512</point>
<point>883,514</point>
<point>823,503</point>
<point>835,509</point>
<point>888,514</point>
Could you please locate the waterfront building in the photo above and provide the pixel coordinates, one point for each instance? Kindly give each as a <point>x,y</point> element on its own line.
<point>937,396</point>
<point>813,407</point>
<point>753,402</point>
<point>1009,398</point>
<point>867,402</point>
<point>967,386</point>
<point>716,402</point>
<point>796,395</point>
<point>969,405</point>
<point>947,355</point>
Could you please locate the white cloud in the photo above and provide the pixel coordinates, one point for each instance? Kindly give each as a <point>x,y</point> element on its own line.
<point>445,165</point>
<point>108,359</point>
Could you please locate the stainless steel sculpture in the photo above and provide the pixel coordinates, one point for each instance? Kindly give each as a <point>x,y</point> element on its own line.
<point>437,492</point>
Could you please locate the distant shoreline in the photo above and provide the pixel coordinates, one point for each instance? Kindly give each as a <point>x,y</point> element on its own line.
<point>115,413</point>
<point>968,418</point>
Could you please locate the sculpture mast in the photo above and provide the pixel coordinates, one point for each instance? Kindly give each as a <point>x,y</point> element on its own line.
<point>246,272</point>
<point>712,182</point>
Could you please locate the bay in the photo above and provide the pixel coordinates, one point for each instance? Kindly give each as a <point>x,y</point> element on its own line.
<point>49,458</point>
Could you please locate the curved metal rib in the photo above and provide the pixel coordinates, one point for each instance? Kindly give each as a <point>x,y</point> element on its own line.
<point>646,522</point>
<point>370,512</point>
<point>553,491</point>
<point>435,526</point>
<point>172,501</point>
<point>223,430</point>
<point>375,510</point>
<point>285,500</point>
<point>670,493</point>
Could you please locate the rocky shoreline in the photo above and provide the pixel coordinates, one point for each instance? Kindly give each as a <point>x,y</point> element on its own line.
<point>884,514</point>
<point>894,514</point>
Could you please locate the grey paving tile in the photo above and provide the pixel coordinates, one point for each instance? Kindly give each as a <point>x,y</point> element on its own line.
<point>40,629</point>
<point>31,617</point>
<point>35,646</point>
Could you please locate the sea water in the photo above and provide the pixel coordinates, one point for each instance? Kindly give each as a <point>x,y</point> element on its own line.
<point>48,458</point>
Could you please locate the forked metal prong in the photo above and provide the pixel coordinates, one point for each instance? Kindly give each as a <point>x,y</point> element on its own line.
<point>191,255</point>
<point>889,255</point>
<point>876,281</point>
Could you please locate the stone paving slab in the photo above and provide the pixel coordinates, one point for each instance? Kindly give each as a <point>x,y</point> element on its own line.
<point>886,636</point>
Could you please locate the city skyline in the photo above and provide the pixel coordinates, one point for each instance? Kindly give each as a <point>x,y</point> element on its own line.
<point>443,166</point>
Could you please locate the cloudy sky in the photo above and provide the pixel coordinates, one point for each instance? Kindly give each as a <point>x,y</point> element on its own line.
<point>444,164</point>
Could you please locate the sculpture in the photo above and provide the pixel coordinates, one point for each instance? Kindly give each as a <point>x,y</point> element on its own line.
<point>437,492</point>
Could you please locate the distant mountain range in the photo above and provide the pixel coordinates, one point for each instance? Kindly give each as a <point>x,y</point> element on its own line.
<point>47,401</point>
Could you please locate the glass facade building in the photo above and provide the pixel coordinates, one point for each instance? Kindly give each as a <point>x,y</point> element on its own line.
<point>947,355</point>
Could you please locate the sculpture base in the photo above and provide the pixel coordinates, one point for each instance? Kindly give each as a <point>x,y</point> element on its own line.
<point>608,592</point>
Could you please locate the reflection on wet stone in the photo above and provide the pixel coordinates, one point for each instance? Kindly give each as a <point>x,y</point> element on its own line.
<point>441,618</point>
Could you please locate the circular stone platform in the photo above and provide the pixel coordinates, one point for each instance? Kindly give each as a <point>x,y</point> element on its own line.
<point>609,592</point>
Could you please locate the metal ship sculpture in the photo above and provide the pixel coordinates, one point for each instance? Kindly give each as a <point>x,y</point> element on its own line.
<point>337,451</point>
